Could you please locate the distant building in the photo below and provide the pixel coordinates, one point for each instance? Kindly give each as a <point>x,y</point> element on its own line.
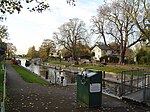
<point>101,50</point>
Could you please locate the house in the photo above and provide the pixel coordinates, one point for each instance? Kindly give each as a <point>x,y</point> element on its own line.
<point>101,50</point>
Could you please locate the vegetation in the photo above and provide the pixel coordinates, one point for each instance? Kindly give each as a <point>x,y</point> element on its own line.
<point>70,35</point>
<point>10,6</point>
<point>60,63</point>
<point>47,47</point>
<point>1,83</point>
<point>28,76</point>
<point>143,55</point>
<point>32,53</point>
<point>106,69</point>
<point>2,62</point>
<point>11,49</point>
<point>120,20</point>
<point>83,52</point>
<point>3,32</point>
<point>115,70</point>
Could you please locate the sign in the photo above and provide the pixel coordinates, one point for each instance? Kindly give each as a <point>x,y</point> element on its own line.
<point>95,87</point>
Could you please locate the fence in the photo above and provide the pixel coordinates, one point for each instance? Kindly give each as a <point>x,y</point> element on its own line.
<point>130,81</point>
<point>146,94</point>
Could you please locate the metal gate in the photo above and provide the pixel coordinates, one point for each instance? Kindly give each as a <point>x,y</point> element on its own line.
<point>134,81</point>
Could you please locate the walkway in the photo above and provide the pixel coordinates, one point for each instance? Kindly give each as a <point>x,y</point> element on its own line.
<point>31,97</point>
<point>135,96</point>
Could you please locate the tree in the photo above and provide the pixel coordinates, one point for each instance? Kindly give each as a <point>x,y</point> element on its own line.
<point>3,32</point>
<point>42,53</point>
<point>142,54</point>
<point>11,49</point>
<point>70,34</point>
<point>113,21</point>
<point>11,6</point>
<point>3,47</point>
<point>139,11</point>
<point>48,46</point>
<point>32,53</point>
<point>82,52</point>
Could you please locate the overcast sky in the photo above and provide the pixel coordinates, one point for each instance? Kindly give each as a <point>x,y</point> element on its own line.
<point>27,29</point>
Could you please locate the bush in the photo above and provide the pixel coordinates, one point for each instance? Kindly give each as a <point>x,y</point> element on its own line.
<point>145,60</point>
<point>143,56</point>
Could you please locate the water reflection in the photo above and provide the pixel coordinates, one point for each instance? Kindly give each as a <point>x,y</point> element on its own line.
<point>52,75</point>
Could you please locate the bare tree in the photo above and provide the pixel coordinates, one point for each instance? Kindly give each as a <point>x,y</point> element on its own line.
<point>139,11</point>
<point>113,21</point>
<point>70,34</point>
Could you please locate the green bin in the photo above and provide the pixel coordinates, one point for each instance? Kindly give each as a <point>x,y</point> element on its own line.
<point>89,88</point>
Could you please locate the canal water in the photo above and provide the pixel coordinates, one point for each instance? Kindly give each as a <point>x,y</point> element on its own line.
<point>52,75</point>
<point>55,76</point>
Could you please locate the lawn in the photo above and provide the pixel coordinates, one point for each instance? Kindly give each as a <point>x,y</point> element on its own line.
<point>28,76</point>
<point>106,69</point>
<point>60,63</point>
<point>110,68</point>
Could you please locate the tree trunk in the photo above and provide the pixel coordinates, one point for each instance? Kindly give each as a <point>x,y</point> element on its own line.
<point>122,53</point>
<point>75,58</point>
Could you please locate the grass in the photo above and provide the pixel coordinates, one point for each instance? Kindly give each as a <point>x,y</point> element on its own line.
<point>116,70</point>
<point>29,76</point>
<point>106,69</point>
<point>60,63</point>
<point>139,65</point>
<point>1,83</point>
<point>1,78</point>
<point>134,72</point>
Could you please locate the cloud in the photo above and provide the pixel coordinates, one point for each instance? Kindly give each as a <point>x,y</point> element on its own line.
<point>27,29</point>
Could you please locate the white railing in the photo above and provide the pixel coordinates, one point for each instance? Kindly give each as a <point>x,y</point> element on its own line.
<point>4,90</point>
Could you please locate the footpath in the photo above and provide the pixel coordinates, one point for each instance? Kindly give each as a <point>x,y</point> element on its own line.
<point>32,97</point>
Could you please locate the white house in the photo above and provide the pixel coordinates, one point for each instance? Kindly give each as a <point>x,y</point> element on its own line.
<point>101,50</point>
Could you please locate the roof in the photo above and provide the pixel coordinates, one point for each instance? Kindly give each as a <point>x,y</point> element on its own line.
<point>102,46</point>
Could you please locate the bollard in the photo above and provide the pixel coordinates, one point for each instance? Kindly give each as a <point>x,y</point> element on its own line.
<point>46,75</point>
<point>64,82</point>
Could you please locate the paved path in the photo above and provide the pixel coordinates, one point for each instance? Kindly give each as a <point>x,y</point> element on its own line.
<point>31,97</point>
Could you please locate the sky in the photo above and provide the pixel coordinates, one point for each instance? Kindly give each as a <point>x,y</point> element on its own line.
<point>31,28</point>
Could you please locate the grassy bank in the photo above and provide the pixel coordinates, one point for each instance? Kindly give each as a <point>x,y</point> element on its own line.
<point>60,63</point>
<point>107,69</point>
<point>28,76</point>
